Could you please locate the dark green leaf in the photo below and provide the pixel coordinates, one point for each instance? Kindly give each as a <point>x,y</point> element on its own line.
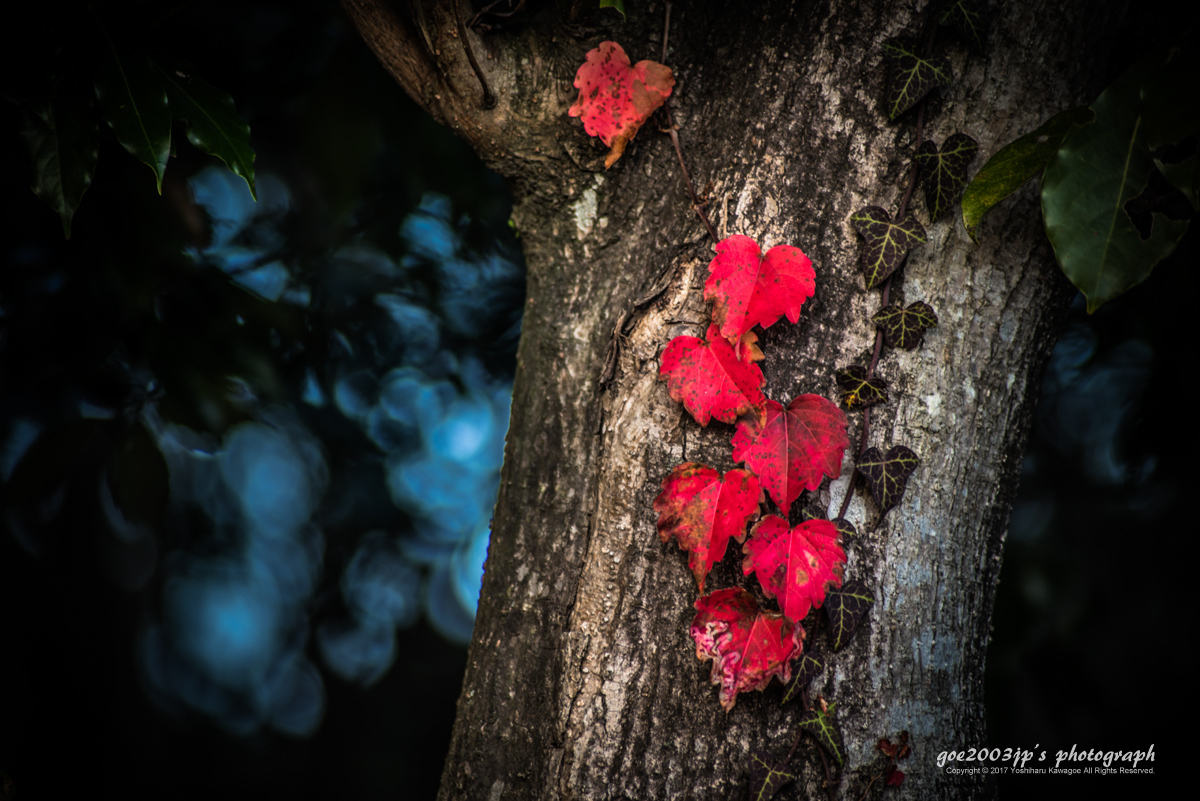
<point>944,172</point>
<point>62,145</point>
<point>766,776</point>
<point>967,17</point>
<point>887,475</point>
<point>914,77</point>
<point>887,241</point>
<point>214,126</point>
<point>844,527</point>
<point>822,725</point>
<point>135,107</point>
<point>812,511</point>
<point>858,389</point>
<point>619,5</point>
<point>1098,169</point>
<point>845,609</point>
<point>904,328</point>
<point>1016,163</point>
<point>809,666</point>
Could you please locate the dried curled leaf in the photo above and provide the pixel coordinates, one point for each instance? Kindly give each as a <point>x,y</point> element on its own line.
<point>750,289</point>
<point>797,565</point>
<point>701,511</point>
<point>616,98</point>
<point>747,645</point>
<point>709,379</point>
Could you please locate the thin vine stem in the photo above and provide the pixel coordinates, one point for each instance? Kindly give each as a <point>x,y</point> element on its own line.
<point>697,205</point>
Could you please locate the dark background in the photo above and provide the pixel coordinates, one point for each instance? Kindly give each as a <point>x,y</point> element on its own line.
<point>1086,612</point>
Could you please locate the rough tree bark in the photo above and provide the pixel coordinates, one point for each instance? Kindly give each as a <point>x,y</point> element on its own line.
<point>582,681</point>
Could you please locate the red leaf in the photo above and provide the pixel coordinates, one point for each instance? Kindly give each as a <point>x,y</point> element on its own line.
<point>747,645</point>
<point>791,450</point>
<point>615,98</point>
<point>895,777</point>
<point>702,511</point>
<point>796,566</point>
<point>749,289</point>
<point>709,379</point>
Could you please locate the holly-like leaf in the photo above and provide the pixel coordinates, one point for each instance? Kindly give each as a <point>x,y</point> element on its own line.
<point>63,145</point>
<point>792,449</point>
<point>616,98</point>
<point>858,389</point>
<point>709,379</point>
<point>968,18</point>
<point>905,328</point>
<point>1015,163</point>
<point>809,666</point>
<point>750,289</point>
<point>766,776</point>
<point>135,106</point>
<point>888,474</point>
<point>214,126</point>
<point>1099,168</point>
<point>886,241</point>
<point>944,172</point>
<point>748,646</point>
<point>914,76</point>
<point>845,609</point>
<point>797,565</point>
<point>701,511</point>
<point>821,724</point>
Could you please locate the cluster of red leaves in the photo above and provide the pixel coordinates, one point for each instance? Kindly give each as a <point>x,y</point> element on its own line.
<point>892,775</point>
<point>785,451</point>
<point>616,98</point>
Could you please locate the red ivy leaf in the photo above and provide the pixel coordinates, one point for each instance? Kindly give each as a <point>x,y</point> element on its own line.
<point>709,379</point>
<point>747,645</point>
<point>701,511</point>
<point>615,98</point>
<point>895,777</point>
<point>750,289</point>
<point>791,450</point>
<point>797,565</point>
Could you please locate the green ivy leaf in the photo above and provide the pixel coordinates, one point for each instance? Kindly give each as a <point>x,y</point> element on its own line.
<point>888,474</point>
<point>1016,163</point>
<point>858,389</point>
<point>135,106</point>
<point>844,527</point>
<point>887,241</point>
<point>214,126</point>
<point>904,328</point>
<point>1098,169</point>
<point>967,17</point>
<point>812,511</point>
<point>63,144</point>
<point>845,609</point>
<point>914,77</point>
<point>822,725</point>
<point>766,776</point>
<point>811,664</point>
<point>944,172</point>
<point>619,5</point>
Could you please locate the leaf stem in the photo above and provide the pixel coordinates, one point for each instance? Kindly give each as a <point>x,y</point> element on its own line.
<point>489,99</point>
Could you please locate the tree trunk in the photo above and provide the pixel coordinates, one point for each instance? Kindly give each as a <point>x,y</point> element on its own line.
<point>582,681</point>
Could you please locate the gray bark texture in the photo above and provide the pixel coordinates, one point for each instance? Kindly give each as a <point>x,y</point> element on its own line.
<point>582,681</point>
